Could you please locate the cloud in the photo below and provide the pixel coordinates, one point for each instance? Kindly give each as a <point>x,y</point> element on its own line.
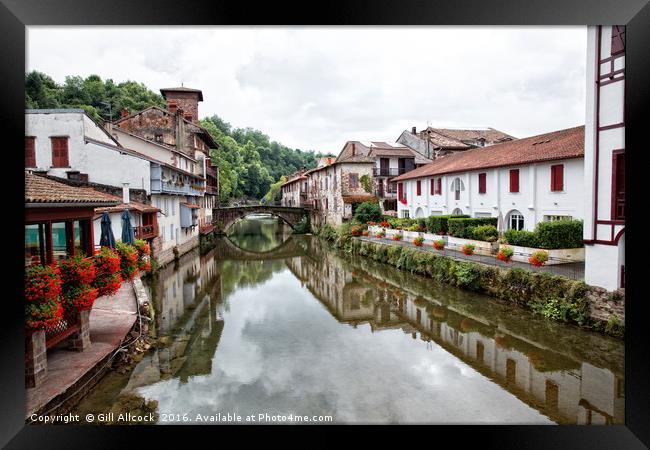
<point>317,87</point>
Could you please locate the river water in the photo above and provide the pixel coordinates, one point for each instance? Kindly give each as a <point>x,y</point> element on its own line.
<point>267,324</point>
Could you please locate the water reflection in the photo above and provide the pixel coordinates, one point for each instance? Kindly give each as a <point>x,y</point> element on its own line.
<point>298,329</point>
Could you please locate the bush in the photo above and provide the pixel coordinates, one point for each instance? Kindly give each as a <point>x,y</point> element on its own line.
<point>77,276</point>
<point>328,233</point>
<point>522,238</point>
<point>463,227</point>
<point>439,224</point>
<point>144,254</point>
<point>303,226</point>
<point>486,233</point>
<point>128,260</point>
<point>368,212</point>
<point>108,278</point>
<point>42,297</point>
<point>559,234</point>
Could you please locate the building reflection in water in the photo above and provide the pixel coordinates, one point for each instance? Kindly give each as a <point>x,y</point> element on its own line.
<point>569,384</point>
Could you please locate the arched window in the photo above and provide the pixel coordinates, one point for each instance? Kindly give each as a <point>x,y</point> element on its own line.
<point>515,220</point>
<point>457,212</point>
<point>419,213</point>
<point>457,186</point>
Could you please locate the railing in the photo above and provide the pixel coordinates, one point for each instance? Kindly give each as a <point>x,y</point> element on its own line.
<point>145,231</point>
<point>211,190</point>
<point>389,172</point>
<point>60,331</point>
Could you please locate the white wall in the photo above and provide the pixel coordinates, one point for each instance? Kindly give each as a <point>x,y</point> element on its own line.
<point>169,221</point>
<point>104,164</point>
<point>534,199</point>
<point>116,225</point>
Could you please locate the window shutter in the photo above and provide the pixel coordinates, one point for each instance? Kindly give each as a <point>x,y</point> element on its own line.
<point>30,151</point>
<point>433,187</point>
<point>400,192</point>
<point>481,183</point>
<point>439,190</point>
<point>557,178</point>
<point>60,152</point>
<point>419,187</point>
<point>514,180</point>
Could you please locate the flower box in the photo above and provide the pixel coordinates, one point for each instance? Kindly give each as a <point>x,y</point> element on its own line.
<point>558,256</point>
<point>480,247</point>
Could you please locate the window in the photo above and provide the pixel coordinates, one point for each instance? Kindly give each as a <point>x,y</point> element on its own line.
<point>354,180</point>
<point>555,217</point>
<point>405,214</point>
<point>551,395</point>
<point>516,220</point>
<point>480,351</point>
<point>457,186</point>
<point>30,151</point>
<point>419,187</point>
<point>433,186</point>
<point>400,192</point>
<point>557,178</point>
<point>511,371</point>
<point>457,212</point>
<point>514,180</point>
<point>327,203</point>
<point>618,185</point>
<point>439,187</point>
<point>158,137</point>
<point>481,182</point>
<point>618,39</point>
<point>60,152</point>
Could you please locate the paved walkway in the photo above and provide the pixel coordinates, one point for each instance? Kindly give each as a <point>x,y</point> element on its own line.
<point>575,270</point>
<point>110,320</point>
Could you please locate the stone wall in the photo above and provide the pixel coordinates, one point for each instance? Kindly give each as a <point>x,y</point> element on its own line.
<point>167,256</point>
<point>606,306</point>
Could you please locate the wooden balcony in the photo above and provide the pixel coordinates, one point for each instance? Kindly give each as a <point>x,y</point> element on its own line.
<point>146,231</point>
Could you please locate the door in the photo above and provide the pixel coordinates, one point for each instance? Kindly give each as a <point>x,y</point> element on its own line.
<point>383,167</point>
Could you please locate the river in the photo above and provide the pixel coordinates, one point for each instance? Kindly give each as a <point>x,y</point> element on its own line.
<point>270,324</point>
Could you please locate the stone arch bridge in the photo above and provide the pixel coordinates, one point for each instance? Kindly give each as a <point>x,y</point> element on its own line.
<point>289,248</point>
<point>224,218</point>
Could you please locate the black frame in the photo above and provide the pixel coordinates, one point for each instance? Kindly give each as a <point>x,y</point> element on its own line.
<point>635,14</point>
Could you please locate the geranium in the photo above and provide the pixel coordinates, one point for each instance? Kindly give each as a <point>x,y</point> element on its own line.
<point>77,275</point>
<point>144,252</point>
<point>505,254</point>
<point>418,241</point>
<point>108,278</point>
<point>42,296</point>
<point>468,249</point>
<point>356,230</point>
<point>397,237</point>
<point>385,224</point>
<point>380,234</point>
<point>365,233</point>
<point>538,258</point>
<point>128,260</point>
<point>439,244</point>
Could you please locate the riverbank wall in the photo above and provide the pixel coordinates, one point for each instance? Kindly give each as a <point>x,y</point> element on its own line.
<point>164,257</point>
<point>553,296</point>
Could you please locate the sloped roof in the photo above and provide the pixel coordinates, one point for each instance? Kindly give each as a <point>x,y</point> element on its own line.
<point>39,189</point>
<point>562,144</point>
<point>489,134</point>
<point>403,152</point>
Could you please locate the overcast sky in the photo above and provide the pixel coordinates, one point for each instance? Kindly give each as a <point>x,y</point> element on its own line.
<point>314,88</point>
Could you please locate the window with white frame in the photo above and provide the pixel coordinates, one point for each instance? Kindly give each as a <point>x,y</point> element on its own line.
<point>515,220</point>
<point>457,186</point>
<point>551,218</point>
<point>406,214</point>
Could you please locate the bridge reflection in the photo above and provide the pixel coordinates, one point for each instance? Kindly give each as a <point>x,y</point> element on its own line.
<point>569,375</point>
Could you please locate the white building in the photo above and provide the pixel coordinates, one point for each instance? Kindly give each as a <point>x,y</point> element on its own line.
<point>522,182</point>
<point>294,190</point>
<point>604,177</point>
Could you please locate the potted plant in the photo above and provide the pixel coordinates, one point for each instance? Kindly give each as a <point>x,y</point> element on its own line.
<point>418,241</point>
<point>108,278</point>
<point>439,244</point>
<point>505,254</point>
<point>356,230</point>
<point>380,234</point>
<point>384,224</point>
<point>397,237</point>
<point>77,276</point>
<point>42,297</point>
<point>365,233</point>
<point>128,260</point>
<point>538,258</point>
<point>468,249</point>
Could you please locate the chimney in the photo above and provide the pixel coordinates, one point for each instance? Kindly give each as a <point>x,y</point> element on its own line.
<point>124,113</point>
<point>187,116</point>
<point>125,193</point>
<point>172,106</point>
<point>353,149</point>
<point>413,130</point>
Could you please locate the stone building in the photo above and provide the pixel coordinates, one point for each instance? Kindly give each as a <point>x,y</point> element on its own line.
<point>294,190</point>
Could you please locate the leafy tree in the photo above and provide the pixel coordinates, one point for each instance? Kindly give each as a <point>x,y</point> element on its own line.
<point>275,191</point>
<point>368,211</point>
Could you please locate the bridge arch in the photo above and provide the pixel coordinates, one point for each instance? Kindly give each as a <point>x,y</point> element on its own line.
<point>224,218</point>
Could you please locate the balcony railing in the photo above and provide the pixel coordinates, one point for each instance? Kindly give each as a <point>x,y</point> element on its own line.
<point>390,172</point>
<point>145,231</point>
<point>211,190</point>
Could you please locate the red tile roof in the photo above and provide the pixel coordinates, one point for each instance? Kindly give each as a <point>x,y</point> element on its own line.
<point>40,189</point>
<point>563,144</point>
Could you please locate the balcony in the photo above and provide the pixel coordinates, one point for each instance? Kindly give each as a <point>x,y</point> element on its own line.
<point>389,172</point>
<point>213,190</point>
<point>205,227</point>
<point>146,231</point>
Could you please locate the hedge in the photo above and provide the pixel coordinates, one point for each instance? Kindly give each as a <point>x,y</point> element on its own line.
<point>462,227</point>
<point>549,235</point>
<point>439,224</point>
<point>552,296</point>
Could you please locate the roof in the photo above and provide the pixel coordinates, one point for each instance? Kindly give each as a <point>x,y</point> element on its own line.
<point>181,89</point>
<point>562,144</point>
<point>294,179</point>
<point>132,206</point>
<point>355,159</point>
<point>39,189</point>
<point>190,205</point>
<point>465,134</point>
<point>72,111</point>
<point>158,144</point>
<point>400,152</point>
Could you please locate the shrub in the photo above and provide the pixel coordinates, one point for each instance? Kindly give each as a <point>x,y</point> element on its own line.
<point>414,227</point>
<point>559,234</point>
<point>108,278</point>
<point>468,276</point>
<point>328,233</point>
<point>418,241</point>
<point>42,296</point>
<point>368,211</point>
<point>439,244</point>
<point>522,238</point>
<point>303,226</point>
<point>486,233</point>
<point>468,249</point>
<point>538,258</point>
<point>144,254</point>
<point>128,260</point>
<point>505,254</point>
<point>439,224</point>
<point>463,227</point>
<point>397,237</point>
<point>77,277</point>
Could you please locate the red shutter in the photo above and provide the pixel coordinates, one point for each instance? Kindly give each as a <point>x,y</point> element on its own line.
<point>514,180</point>
<point>557,178</point>
<point>60,152</point>
<point>419,187</point>
<point>433,187</point>
<point>481,183</point>
<point>439,190</point>
<point>30,151</point>
<point>400,192</point>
